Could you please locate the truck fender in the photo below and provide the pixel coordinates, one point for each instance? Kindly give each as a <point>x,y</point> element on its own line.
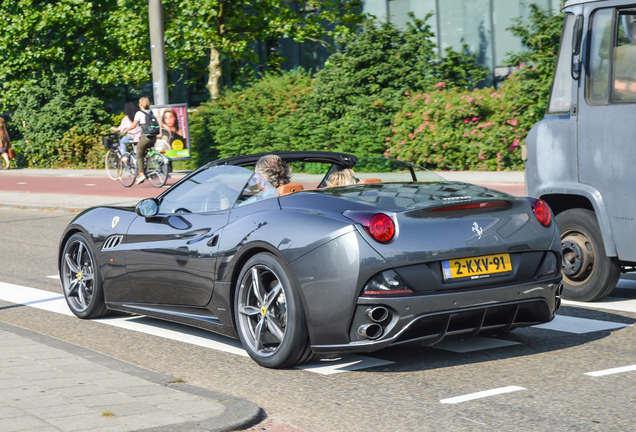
<point>593,196</point>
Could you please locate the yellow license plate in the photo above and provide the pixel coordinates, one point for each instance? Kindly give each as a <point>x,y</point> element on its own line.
<point>476,267</point>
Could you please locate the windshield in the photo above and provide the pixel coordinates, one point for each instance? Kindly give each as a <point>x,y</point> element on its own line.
<point>215,189</point>
<point>378,169</point>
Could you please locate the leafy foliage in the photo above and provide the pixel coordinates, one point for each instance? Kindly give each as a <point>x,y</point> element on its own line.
<point>96,45</point>
<point>540,34</point>
<point>483,129</point>
<point>79,149</point>
<point>458,130</point>
<point>260,118</point>
<point>358,92</point>
<point>44,115</point>
<point>227,29</point>
<point>62,58</point>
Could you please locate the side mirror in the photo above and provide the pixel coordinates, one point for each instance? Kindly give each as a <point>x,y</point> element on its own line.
<point>147,207</point>
<point>577,37</point>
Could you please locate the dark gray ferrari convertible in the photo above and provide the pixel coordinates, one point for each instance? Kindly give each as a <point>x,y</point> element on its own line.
<point>400,256</point>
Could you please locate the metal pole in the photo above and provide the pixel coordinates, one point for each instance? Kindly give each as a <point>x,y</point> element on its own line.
<point>157,53</point>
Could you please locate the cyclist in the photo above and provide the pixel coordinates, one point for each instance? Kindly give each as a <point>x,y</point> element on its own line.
<point>132,134</point>
<point>145,140</point>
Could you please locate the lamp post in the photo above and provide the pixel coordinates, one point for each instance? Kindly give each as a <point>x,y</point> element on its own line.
<point>157,53</point>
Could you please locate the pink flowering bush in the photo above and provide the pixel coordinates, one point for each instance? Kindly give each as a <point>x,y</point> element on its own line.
<point>454,129</point>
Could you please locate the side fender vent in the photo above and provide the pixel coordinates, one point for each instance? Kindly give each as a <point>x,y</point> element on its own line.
<point>112,242</point>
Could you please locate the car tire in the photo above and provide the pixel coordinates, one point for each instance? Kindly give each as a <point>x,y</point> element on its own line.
<point>588,273</point>
<point>270,320</point>
<point>81,280</point>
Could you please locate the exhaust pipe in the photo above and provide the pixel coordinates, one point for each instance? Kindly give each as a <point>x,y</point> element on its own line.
<point>376,313</point>
<point>370,331</point>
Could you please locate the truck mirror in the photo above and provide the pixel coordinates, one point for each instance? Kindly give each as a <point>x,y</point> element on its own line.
<point>577,37</point>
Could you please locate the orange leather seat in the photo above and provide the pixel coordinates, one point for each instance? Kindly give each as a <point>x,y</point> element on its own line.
<point>370,180</point>
<point>289,188</point>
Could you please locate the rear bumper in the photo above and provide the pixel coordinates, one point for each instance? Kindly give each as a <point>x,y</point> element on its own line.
<point>431,318</point>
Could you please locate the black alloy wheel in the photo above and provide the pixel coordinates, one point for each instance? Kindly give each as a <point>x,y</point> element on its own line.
<point>269,314</point>
<point>81,279</point>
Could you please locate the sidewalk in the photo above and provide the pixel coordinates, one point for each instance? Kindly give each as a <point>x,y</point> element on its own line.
<point>50,385</point>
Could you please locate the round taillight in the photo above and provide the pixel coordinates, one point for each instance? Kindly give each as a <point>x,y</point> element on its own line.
<point>381,227</point>
<point>542,212</point>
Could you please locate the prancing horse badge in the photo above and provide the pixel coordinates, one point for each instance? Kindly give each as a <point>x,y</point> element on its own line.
<point>115,221</point>
<point>477,229</point>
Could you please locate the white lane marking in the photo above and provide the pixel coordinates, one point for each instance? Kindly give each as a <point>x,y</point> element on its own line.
<point>22,183</point>
<point>90,184</point>
<point>481,394</point>
<point>612,371</point>
<point>176,332</point>
<point>579,325</point>
<point>56,277</point>
<point>477,343</point>
<point>39,299</point>
<point>54,302</point>
<point>608,303</point>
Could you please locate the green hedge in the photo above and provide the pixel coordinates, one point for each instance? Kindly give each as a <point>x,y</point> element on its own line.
<point>263,117</point>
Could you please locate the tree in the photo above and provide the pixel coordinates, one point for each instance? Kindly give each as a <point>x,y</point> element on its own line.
<point>96,45</point>
<point>540,35</point>
<point>363,85</point>
<point>227,29</point>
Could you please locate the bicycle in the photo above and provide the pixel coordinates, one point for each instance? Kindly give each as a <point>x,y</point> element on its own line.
<point>113,155</point>
<point>156,168</point>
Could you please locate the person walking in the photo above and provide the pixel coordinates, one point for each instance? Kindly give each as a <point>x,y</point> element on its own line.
<point>5,143</point>
<point>148,137</point>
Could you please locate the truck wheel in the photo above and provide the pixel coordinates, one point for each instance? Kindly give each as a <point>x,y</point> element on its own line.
<point>588,273</point>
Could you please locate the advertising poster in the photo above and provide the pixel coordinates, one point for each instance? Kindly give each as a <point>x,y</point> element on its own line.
<point>174,138</point>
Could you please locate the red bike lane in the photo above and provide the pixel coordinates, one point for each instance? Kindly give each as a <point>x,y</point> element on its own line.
<point>104,186</point>
<point>80,185</point>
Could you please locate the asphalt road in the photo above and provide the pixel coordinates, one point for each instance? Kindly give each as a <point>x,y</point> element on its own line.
<point>534,379</point>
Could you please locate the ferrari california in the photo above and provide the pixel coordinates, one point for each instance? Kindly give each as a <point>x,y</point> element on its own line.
<point>400,256</point>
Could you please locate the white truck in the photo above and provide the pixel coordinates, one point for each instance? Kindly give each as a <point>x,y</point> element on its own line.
<point>581,158</point>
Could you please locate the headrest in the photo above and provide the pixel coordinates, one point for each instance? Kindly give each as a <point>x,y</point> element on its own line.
<point>289,188</point>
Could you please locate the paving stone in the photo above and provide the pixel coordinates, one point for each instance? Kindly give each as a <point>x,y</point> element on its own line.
<point>23,423</point>
<point>101,399</point>
<point>31,402</point>
<point>85,422</point>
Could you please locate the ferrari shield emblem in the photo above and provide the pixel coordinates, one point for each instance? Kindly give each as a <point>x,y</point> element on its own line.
<point>115,221</point>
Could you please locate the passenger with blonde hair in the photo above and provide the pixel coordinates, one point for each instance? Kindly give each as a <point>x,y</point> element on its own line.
<point>343,177</point>
<point>5,143</point>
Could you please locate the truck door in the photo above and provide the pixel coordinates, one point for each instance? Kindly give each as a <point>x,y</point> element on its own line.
<point>607,121</point>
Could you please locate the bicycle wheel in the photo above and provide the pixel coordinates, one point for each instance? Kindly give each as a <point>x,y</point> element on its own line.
<point>112,164</point>
<point>128,170</point>
<point>157,169</point>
